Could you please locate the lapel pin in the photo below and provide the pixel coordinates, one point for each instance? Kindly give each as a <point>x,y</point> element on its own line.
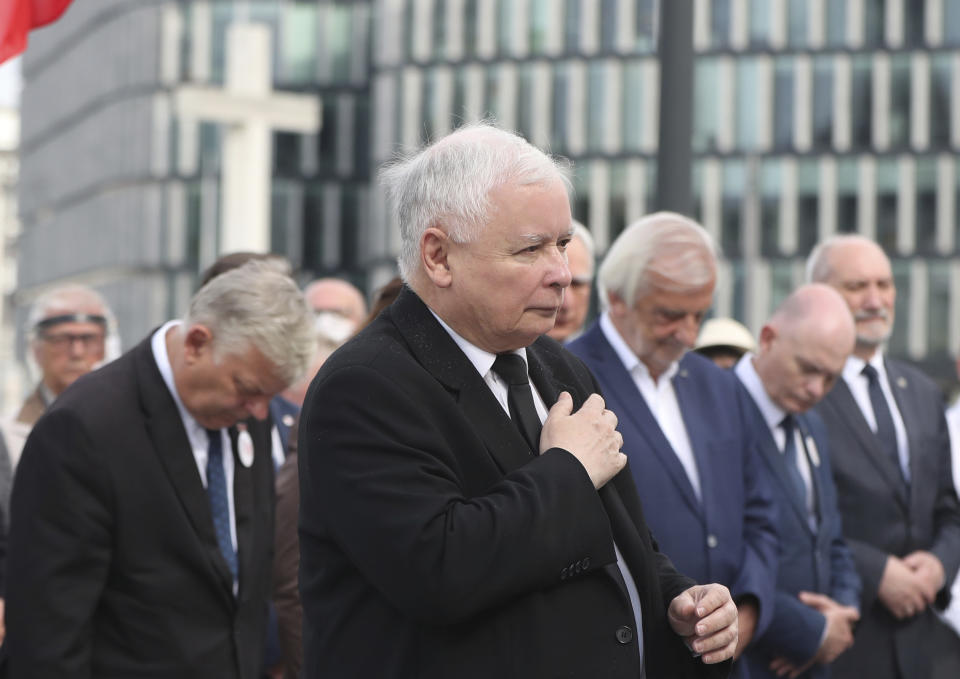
<point>813,452</point>
<point>683,372</point>
<point>902,382</point>
<point>287,420</point>
<point>244,446</point>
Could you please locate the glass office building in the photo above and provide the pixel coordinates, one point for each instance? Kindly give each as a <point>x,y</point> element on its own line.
<point>810,117</point>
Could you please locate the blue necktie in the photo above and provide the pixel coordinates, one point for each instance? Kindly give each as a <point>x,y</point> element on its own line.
<point>886,432</point>
<point>790,459</point>
<point>219,505</point>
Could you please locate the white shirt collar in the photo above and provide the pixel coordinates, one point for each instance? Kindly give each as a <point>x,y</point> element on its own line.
<point>481,359</point>
<point>747,373</point>
<point>853,368</point>
<point>159,345</point>
<point>629,359</point>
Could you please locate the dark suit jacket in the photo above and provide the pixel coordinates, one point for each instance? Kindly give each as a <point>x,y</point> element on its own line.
<point>434,545</point>
<point>729,535</point>
<point>879,520</point>
<point>114,568</point>
<point>811,560</point>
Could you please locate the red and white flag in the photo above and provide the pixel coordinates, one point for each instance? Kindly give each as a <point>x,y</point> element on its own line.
<point>19,17</point>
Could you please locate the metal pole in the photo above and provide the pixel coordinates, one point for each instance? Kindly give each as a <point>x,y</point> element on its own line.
<point>674,154</point>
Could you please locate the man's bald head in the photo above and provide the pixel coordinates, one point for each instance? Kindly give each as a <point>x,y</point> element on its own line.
<point>804,346</point>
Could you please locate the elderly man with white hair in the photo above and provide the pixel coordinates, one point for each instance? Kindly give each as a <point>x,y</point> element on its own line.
<point>684,421</point>
<point>71,330</point>
<point>142,511</point>
<point>463,508</point>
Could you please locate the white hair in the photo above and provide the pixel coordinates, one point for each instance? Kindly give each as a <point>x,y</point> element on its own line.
<point>257,305</point>
<point>674,248</point>
<point>819,268</point>
<point>582,233</point>
<point>448,184</point>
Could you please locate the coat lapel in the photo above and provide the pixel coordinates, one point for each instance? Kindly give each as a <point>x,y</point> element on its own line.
<point>436,351</point>
<point>172,447</point>
<point>620,387</point>
<point>842,400</point>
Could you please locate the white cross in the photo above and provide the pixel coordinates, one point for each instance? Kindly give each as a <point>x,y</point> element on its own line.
<point>250,110</point>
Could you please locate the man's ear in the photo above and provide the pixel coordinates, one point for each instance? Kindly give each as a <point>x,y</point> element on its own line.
<point>197,341</point>
<point>434,255</point>
<point>616,305</point>
<point>767,335</point>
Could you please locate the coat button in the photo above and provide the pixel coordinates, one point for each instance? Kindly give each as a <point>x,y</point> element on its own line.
<point>624,635</point>
<point>711,541</point>
<point>563,574</point>
<point>586,562</point>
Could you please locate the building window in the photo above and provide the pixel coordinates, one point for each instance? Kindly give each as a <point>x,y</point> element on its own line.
<point>886,222</point>
<point>938,317</point>
<point>914,16</point>
<point>720,24</point>
<point>926,205</point>
<point>951,22</point>
<point>505,27</point>
<point>596,104</point>
<point>571,23</point>
<point>940,93</point>
<point>760,23</point>
<point>808,203</point>
<point>632,111</point>
<point>783,89</point>
<point>847,189</point>
<point>874,21</point>
<point>645,26</point>
<point>560,127</point>
<point>705,106</point>
<point>525,94</point>
<point>797,13</point>
<point>823,102</point>
<point>861,102</point>
<point>608,25</point>
<point>901,279</point>
<point>899,100</point>
<point>731,209</point>
<point>539,14</point>
<point>470,23</point>
<point>771,188</point>
<point>748,104</point>
<point>836,18</point>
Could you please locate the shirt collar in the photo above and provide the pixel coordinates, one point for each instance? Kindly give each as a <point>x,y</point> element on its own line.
<point>854,366</point>
<point>634,365</point>
<point>159,345</point>
<point>747,373</point>
<point>481,359</point>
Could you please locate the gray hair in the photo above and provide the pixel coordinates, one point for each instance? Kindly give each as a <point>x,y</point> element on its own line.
<point>665,244</point>
<point>448,184</point>
<point>819,268</point>
<point>259,305</point>
<point>582,233</point>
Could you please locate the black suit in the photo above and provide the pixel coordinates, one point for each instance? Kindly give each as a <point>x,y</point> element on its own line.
<point>879,519</point>
<point>114,569</point>
<point>434,545</point>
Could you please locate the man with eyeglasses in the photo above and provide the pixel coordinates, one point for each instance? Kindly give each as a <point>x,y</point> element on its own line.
<point>70,328</point>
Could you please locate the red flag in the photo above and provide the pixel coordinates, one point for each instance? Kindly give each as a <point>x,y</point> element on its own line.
<point>19,17</point>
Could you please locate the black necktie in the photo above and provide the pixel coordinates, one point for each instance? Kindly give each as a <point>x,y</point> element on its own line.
<point>790,459</point>
<point>881,413</point>
<point>513,369</point>
<point>219,507</point>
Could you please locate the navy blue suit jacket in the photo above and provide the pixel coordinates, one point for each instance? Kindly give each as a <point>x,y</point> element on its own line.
<point>729,536</point>
<point>812,560</point>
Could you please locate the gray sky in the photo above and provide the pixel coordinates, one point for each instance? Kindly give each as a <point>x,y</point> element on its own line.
<point>10,83</point>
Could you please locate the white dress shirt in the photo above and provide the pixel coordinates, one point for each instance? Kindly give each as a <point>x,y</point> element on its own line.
<point>196,434</point>
<point>860,388</point>
<point>773,415</point>
<point>660,397</point>
<point>483,361</point>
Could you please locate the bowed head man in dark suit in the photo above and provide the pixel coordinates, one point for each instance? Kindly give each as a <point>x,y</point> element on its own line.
<point>891,463</point>
<point>142,510</point>
<point>443,533</point>
<point>801,353</point>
